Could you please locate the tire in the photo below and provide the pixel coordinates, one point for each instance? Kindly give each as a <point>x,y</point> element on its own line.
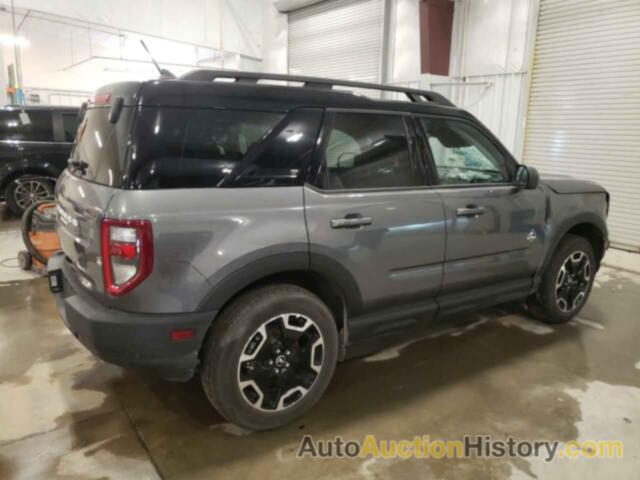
<point>259,327</point>
<point>24,260</point>
<point>555,306</point>
<point>43,189</point>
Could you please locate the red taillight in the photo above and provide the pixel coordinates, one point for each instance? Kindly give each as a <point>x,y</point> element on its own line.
<point>127,253</point>
<point>124,250</point>
<point>101,99</point>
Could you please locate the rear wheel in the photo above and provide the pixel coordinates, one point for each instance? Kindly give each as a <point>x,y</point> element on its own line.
<point>270,356</point>
<point>24,192</point>
<point>567,281</point>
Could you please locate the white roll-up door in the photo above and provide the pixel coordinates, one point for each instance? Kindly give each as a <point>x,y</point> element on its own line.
<point>337,39</point>
<point>583,118</point>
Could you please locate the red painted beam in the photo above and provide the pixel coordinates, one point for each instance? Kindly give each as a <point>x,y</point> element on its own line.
<point>436,24</point>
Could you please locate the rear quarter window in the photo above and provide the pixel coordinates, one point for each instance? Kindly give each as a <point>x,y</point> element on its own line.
<point>204,148</point>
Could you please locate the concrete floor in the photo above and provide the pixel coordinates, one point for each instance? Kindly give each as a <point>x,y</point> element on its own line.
<point>64,414</point>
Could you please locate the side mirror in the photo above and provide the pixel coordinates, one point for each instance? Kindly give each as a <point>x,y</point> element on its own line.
<point>526,177</point>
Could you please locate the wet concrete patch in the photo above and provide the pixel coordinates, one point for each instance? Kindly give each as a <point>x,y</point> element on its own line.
<point>47,379</point>
<point>103,447</point>
<point>10,244</point>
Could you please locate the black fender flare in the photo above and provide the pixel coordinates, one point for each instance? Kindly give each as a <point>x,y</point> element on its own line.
<point>240,274</point>
<point>26,166</point>
<point>563,228</point>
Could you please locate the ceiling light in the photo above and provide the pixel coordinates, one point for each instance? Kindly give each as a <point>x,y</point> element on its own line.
<point>10,41</point>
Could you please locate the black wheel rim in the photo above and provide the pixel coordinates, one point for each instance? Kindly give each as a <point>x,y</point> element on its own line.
<point>280,362</point>
<point>572,281</point>
<point>29,192</point>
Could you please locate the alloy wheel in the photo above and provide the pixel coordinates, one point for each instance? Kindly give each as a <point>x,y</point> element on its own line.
<point>30,192</point>
<point>572,281</point>
<point>280,362</point>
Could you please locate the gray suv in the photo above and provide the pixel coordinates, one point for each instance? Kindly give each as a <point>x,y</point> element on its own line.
<point>252,229</point>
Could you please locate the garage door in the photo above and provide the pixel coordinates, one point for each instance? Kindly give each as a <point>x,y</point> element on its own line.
<point>584,108</point>
<point>337,39</point>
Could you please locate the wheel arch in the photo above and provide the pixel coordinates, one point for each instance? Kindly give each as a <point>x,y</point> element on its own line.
<point>592,234</point>
<point>326,278</point>
<point>587,225</point>
<point>12,174</point>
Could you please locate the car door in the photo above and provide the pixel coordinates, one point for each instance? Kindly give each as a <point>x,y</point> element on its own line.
<point>495,231</point>
<point>374,222</point>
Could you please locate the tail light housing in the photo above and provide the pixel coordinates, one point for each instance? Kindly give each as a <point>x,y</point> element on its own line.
<point>127,253</point>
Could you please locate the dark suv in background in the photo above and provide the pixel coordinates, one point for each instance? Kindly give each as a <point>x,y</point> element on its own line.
<point>35,143</point>
<point>255,233</point>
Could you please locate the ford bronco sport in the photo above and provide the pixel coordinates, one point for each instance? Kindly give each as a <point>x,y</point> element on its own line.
<point>252,231</point>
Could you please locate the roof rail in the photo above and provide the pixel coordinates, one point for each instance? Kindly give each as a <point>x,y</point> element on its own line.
<point>413,94</point>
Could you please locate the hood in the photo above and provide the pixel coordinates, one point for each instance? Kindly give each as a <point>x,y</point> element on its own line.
<point>566,184</point>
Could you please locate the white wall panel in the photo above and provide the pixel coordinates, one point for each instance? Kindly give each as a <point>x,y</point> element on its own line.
<point>489,64</point>
<point>80,45</point>
<point>584,107</point>
<point>494,99</point>
<point>337,39</point>
<point>191,21</point>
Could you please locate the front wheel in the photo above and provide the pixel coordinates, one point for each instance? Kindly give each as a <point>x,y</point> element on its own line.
<point>270,356</point>
<point>566,283</point>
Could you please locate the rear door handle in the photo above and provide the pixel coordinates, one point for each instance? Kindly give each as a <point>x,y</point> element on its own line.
<point>350,222</point>
<point>470,211</point>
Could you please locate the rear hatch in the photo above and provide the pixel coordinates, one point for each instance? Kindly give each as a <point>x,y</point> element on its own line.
<point>92,178</point>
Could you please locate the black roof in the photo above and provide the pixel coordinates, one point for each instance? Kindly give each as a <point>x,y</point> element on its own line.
<point>203,88</point>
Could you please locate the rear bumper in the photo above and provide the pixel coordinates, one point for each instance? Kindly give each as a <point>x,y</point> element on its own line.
<point>129,339</point>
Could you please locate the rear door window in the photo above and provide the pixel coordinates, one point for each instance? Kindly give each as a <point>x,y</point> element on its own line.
<point>26,125</point>
<point>368,151</point>
<point>70,126</point>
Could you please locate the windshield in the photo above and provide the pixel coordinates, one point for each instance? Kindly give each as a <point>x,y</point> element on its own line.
<point>100,149</point>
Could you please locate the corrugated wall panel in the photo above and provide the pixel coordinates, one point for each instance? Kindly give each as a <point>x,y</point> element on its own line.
<point>583,118</point>
<point>337,39</point>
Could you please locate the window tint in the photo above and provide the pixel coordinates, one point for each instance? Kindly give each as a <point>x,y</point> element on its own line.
<point>101,147</point>
<point>281,160</point>
<point>197,148</point>
<point>463,154</point>
<point>27,125</point>
<point>368,151</point>
<point>70,126</point>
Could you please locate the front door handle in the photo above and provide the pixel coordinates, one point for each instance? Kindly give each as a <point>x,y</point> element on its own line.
<point>351,221</point>
<point>470,211</point>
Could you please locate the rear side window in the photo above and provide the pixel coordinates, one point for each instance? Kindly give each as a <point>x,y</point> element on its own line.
<point>463,154</point>
<point>70,126</point>
<point>365,151</point>
<point>199,148</point>
<point>26,125</point>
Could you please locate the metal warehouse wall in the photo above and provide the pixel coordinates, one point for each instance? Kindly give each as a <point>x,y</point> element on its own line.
<point>584,106</point>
